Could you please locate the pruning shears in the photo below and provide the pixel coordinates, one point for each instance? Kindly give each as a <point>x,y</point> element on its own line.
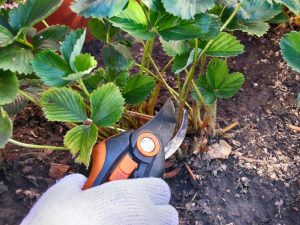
<point>138,153</point>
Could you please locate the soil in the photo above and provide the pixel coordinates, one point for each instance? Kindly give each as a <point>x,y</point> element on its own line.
<point>257,184</point>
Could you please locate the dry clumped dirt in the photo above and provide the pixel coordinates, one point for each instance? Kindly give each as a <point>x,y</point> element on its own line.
<point>253,179</point>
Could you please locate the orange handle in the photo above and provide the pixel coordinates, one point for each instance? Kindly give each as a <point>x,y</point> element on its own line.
<point>123,170</point>
<point>98,155</point>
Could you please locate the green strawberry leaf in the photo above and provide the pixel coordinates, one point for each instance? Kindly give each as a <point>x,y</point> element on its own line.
<point>293,5</point>
<point>154,5</point>
<point>257,10</point>
<point>231,85</point>
<point>118,77</point>
<point>218,83</point>
<point>183,61</point>
<point>51,68</point>
<point>118,57</point>
<point>72,46</point>
<point>279,19</point>
<point>4,18</point>
<point>134,21</point>
<point>217,71</point>
<point>290,49</point>
<point>6,128</point>
<point>173,48</point>
<point>98,8</point>
<point>101,29</point>
<point>50,37</point>
<point>257,28</point>
<point>203,26</point>
<point>253,16</point>
<point>9,86</point>
<point>189,8</point>
<point>6,37</point>
<point>84,64</point>
<point>138,88</point>
<point>225,45</point>
<point>81,140</point>
<point>106,105</point>
<point>101,76</point>
<point>31,12</point>
<point>63,105</point>
<point>15,107</point>
<point>98,29</point>
<point>16,59</point>
<point>206,92</point>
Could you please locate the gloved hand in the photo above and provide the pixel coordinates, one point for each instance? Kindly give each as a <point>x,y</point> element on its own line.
<point>142,201</point>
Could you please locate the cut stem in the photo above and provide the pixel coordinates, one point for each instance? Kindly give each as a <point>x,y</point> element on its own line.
<point>25,145</point>
<point>228,128</point>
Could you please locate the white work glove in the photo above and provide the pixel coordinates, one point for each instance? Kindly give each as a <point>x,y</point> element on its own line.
<point>142,201</point>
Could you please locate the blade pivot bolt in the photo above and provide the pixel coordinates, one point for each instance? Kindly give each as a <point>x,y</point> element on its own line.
<point>147,144</point>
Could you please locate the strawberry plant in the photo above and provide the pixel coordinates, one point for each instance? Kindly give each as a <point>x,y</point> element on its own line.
<point>196,37</point>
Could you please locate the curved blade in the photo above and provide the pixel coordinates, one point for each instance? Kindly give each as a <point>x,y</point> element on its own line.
<point>162,125</point>
<point>177,140</point>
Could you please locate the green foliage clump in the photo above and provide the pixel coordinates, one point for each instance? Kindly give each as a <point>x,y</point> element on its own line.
<point>195,35</point>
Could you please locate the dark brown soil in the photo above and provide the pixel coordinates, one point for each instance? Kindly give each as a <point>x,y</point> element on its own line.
<point>258,184</point>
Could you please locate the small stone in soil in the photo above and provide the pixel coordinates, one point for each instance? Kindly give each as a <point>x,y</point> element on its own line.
<point>220,150</point>
<point>245,181</point>
<point>58,170</point>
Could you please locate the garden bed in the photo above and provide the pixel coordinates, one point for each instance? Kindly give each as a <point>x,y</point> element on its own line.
<point>258,184</point>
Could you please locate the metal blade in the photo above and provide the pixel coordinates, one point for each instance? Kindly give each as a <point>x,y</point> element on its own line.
<point>177,140</point>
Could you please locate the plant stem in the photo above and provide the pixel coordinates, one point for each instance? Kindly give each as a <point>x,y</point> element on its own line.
<point>174,94</point>
<point>231,17</point>
<point>45,23</point>
<point>168,64</point>
<point>116,129</point>
<point>178,83</point>
<point>36,146</point>
<point>155,93</point>
<point>202,65</point>
<point>186,85</point>
<point>145,55</point>
<point>213,114</point>
<point>153,99</point>
<point>85,91</point>
<point>195,116</point>
<point>221,14</point>
<point>27,96</point>
<point>147,70</point>
<point>25,43</point>
<point>200,96</point>
<point>160,77</point>
<point>150,50</point>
